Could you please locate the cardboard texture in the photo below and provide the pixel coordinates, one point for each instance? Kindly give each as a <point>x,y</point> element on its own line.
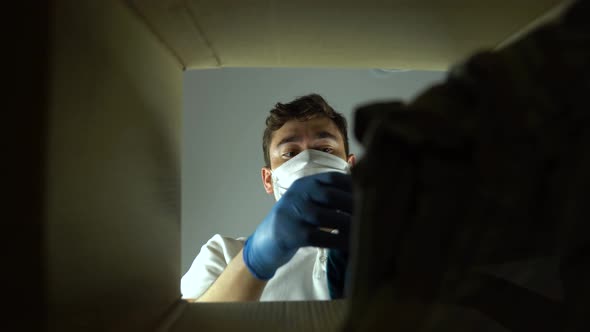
<point>420,34</point>
<point>264,316</point>
<point>111,215</point>
<point>112,221</point>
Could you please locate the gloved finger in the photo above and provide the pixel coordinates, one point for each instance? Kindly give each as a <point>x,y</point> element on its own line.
<point>339,180</point>
<point>318,238</point>
<point>333,198</point>
<point>319,216</point>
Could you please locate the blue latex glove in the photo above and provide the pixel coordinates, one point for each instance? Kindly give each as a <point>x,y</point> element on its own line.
<point>320,200</point>
<point>338,273</point>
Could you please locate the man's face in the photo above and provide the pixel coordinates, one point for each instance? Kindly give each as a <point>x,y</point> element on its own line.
<point>296,136</point>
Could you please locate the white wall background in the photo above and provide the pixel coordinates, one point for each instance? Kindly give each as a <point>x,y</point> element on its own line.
<point>224,113</point>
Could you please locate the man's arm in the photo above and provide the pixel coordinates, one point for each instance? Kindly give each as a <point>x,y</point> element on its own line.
<point>235,283</point>
<point>312,203</point>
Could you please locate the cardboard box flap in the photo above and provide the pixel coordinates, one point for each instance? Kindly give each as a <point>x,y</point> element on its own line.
<point>307,316</point>
<point>111,216</point>
<point>422,34</point>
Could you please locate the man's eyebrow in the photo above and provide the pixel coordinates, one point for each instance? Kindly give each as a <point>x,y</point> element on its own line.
<point>289,139</point>
<point>296,138</point>
<point>325,134</point>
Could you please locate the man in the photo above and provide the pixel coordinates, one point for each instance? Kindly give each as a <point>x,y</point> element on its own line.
<point>307,159</point>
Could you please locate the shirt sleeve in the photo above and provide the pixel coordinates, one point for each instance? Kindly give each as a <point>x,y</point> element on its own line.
<point>209,264</point>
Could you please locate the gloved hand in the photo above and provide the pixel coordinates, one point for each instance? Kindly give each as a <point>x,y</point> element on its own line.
<point>320,200</point>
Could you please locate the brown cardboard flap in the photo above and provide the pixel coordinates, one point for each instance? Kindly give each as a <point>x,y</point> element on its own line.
<point>421,34</point>
<point>306,316</point>
<point>112,218</point>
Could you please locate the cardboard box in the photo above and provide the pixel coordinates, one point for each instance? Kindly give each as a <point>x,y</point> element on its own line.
<point>106,212</point>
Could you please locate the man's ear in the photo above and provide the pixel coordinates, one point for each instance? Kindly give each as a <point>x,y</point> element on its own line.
<point>351,160</point>
<point>267,180</point>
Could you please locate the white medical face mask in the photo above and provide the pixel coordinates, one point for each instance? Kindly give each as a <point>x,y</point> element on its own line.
<point>306,163</point>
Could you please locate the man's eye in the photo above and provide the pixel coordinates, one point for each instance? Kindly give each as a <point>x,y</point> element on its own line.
<point>327,150</point>
<point>289,154</point>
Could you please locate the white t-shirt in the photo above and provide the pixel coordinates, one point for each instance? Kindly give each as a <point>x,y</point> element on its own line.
<point>302,278</point>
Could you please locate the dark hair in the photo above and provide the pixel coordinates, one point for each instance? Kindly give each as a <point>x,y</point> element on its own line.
<point>303,108</point>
